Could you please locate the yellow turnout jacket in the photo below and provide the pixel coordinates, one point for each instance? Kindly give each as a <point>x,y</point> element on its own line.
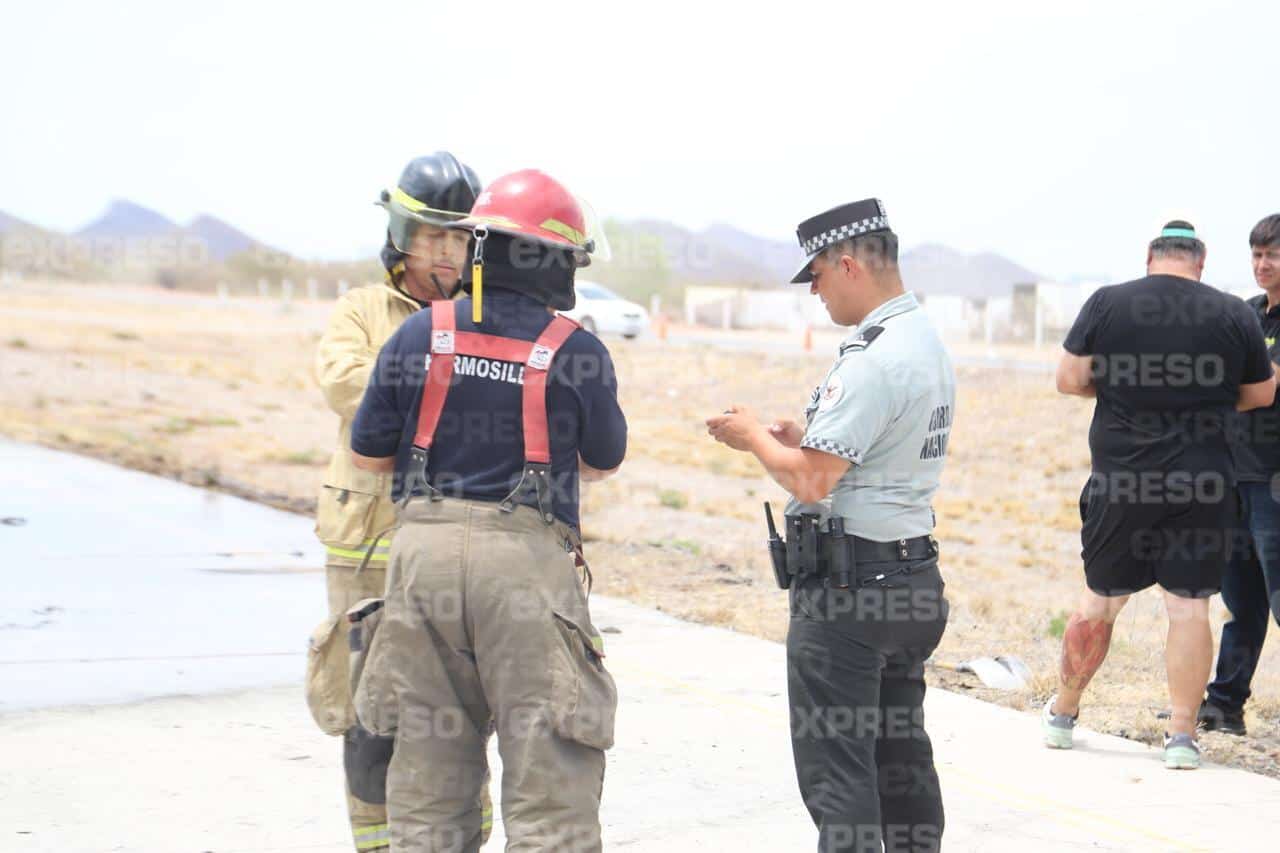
<point>355,505</point>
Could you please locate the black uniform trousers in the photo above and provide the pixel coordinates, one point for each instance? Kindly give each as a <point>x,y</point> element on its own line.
<point>855,661</point>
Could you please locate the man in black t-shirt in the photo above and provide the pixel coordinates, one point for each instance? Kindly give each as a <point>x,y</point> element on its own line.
<point>1251,583</point>
<point>1168,359</point>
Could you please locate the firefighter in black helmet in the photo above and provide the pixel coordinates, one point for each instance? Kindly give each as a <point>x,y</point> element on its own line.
<point>424,257</point>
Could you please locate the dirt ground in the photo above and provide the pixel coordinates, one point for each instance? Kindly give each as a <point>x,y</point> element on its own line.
<point>221,394</point>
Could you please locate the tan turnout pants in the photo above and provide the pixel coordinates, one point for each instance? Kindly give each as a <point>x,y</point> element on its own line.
<point>346,587</point>
<point>486,628</point>
<point>361,750</point>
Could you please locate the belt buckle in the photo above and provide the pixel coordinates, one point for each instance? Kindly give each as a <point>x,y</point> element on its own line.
<point>902,549</point>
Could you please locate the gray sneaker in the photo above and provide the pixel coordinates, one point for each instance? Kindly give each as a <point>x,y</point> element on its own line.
<point>1057,728</point>
<point>1181,752</point>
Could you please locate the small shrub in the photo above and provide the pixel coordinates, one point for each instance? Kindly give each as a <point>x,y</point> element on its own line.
<point>1058,625</point>
<point>687,545</point>
<point>299,457</point>
<point>672,499</point>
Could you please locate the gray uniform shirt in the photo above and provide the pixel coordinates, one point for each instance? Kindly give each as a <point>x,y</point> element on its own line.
<point>886,405</point>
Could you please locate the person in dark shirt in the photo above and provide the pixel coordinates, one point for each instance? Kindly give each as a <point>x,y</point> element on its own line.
<point>489,410</point>
<point>1168,359</point>
<point>1251,583</point>
<point>478,453</point>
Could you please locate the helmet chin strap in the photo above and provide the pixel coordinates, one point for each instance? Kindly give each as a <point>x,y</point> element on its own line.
<point>440,287</point>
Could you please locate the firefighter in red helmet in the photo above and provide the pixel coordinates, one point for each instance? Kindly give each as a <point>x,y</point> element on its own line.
<point>489,420</point>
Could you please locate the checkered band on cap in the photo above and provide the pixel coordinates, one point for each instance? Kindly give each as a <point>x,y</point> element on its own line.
<point>830,227</point>
<point>853,229</point>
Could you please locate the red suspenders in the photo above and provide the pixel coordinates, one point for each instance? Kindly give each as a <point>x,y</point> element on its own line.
<point>439,375</point>
<point>537,442</point>
<point>446,343</point>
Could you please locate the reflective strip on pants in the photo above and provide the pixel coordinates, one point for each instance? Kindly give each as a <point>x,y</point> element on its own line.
<point>486,818</point>
<point>373,837</point>
<point>379,555</point>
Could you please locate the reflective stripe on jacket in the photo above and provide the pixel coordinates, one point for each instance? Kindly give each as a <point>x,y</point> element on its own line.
<point>354,506</point>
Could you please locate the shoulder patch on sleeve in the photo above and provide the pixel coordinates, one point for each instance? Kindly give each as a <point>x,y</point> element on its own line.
<point>864,340</point>
<point>831,393</point>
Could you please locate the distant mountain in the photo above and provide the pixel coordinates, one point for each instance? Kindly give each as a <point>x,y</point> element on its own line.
<point>32,250</point>
<point>780,258</point>
<point>134,224</point>
<point>220,239</point>
<point>13,225</point>
<point>936,269</point>
<point>719,254</point>
<point>722,254</point>
<point>650,257</point>
<point>127,220</point>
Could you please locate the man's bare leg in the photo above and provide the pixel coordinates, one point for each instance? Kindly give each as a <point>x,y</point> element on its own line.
<point>1084,647</point>
<point>1188,657</point>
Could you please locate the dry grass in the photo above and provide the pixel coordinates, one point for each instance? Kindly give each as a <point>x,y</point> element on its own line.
<point>222,394</point>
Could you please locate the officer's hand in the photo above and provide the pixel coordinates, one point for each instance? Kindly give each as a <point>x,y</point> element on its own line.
<point>787,432</point>
<point>736,427</point>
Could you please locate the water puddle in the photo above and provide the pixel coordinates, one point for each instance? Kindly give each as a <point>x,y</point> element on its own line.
<point>120,586</point>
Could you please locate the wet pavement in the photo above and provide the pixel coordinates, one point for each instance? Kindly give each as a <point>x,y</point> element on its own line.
<point>121,586</point>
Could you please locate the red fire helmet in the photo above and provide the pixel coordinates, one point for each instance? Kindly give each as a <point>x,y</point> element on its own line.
<point>534,205</point>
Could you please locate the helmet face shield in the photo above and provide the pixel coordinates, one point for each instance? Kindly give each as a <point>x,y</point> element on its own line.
<point>596,246</point>
<point>413,226</point>
<point>413,236</point>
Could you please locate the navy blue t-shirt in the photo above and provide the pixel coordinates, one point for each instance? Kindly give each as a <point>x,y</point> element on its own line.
<point>478,450</point>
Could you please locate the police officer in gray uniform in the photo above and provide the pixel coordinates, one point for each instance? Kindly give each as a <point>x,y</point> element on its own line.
<point>867,605</point>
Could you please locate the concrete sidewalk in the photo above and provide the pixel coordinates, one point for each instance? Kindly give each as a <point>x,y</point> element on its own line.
<point>702,762</point>
<point>150,700</point>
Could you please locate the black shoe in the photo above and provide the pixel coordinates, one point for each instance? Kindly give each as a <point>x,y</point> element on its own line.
<point>1213,718</point>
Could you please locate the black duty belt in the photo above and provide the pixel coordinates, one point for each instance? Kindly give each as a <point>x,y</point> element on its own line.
<point>809,550</point>
<point>916,548</point>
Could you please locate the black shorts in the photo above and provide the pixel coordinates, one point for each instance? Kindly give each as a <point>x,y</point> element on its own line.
<point>1180,539</point>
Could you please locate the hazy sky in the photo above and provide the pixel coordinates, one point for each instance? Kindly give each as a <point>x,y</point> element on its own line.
<point>1061,138</point>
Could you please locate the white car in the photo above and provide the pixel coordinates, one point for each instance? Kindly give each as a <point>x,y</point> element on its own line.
<point>601,311</point>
